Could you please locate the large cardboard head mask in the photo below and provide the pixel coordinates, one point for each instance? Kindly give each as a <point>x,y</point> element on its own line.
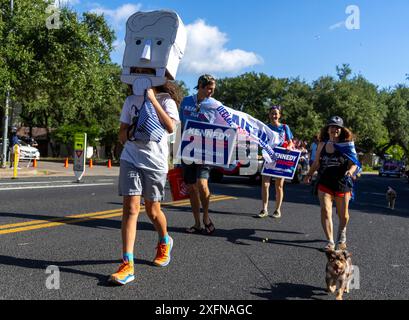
<point>155,44</point>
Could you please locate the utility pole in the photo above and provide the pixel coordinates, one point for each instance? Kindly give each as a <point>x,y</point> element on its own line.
<point>6,113</point>
<point>5,131</point>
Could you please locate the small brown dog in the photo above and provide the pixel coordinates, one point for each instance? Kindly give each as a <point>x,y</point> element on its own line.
<point>391,196</point>
<point>338,272</point>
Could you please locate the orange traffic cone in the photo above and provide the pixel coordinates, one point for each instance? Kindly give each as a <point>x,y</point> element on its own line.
<point>109,164</point>
<point>66,163</point>
<point>90,163</point>
<point>35,163</point>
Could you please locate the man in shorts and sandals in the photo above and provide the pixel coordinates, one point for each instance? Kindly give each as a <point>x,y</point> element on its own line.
<point>196,176</point>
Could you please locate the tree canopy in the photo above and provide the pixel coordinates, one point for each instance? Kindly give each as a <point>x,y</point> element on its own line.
<point>63,79</point>
<point>378,118</point>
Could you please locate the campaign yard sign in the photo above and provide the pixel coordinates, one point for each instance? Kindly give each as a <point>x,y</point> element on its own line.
<point>206,143</point>
<point>284,164</point>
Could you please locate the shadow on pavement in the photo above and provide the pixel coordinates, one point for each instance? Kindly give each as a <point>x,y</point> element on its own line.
<point>291,291</point>
<point>370,192</point>
<point>239,236</point>
<point>236,236</point>
<point>63,266</point>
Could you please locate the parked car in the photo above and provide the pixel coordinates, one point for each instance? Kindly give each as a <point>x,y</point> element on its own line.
<point>28,152</point>
<point>390,169</point>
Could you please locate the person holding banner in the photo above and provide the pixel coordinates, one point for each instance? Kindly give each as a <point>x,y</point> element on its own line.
<point>336,162</point>
<point>143,173</point>
<point>196,176</point>
<point>286,137</point>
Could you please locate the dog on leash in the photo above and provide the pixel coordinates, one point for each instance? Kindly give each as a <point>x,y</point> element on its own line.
<point>391,196</point>
<point>338,272</point>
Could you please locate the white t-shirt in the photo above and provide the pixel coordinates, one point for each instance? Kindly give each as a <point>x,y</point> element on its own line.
<point>148,155</point>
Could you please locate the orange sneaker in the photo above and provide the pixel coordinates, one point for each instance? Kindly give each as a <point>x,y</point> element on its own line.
<point>162,258</point>
<point>124,275</point>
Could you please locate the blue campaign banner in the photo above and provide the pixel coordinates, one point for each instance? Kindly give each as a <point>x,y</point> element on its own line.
<point>206,143</point>
<point>284,164</point>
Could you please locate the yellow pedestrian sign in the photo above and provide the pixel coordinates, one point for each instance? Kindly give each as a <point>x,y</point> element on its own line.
<point>80,145</point>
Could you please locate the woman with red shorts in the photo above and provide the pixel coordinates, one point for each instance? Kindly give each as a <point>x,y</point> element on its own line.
<point>335,172</point>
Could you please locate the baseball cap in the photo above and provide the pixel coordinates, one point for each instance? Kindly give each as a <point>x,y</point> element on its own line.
<point>336,121</point>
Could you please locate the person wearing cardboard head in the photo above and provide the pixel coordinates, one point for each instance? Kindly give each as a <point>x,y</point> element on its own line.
<point>196,176</point>
<point>155,42</point>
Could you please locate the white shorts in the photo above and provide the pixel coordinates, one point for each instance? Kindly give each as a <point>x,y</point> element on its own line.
<point>140,182</point>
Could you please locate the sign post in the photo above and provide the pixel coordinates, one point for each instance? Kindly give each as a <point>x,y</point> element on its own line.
<point>80,147</point>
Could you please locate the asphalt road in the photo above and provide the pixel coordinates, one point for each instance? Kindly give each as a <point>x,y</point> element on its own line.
<point>246,259</point>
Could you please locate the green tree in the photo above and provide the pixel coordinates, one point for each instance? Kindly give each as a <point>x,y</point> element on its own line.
<point>255,93</point>
<point>343,72</point>
<point>358,102</point>
<point>397,119</point>
<point>298,110</point>
<point>248,93</point>
<point>64,76</point>
<point>396,152</point>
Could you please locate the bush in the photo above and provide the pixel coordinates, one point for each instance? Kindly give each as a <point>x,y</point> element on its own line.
<point>367,168</point>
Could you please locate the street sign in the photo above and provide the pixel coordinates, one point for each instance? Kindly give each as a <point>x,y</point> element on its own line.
<point>80,145</point>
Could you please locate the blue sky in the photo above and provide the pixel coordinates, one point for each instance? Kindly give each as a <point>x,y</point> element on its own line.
<point>292,38</point>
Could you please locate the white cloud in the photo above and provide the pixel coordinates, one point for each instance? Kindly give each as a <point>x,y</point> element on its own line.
<point>119,49</point>
<point>206,52</point>
<point>120,15</point>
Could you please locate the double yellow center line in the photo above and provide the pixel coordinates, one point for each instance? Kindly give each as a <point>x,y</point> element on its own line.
<point>78,218</point>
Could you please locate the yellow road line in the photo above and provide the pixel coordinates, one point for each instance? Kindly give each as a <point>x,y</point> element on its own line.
<point>57,224</point>
<point>27,223</point>
<point>34,225</point>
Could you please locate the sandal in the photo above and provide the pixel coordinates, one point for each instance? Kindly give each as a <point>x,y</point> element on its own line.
<point>194,229</point>
<point>209,228</point>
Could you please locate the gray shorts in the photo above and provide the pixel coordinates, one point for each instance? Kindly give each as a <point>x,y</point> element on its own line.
<point>138,182</point>
<point>194,172</point>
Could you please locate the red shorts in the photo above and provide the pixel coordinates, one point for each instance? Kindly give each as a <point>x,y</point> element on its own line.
<point>332,192</point>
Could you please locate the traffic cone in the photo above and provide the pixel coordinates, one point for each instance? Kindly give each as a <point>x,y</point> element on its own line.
<point>35,163</point>
<point>90,163</point>
<point>109,164</point>
<point>66,163</point>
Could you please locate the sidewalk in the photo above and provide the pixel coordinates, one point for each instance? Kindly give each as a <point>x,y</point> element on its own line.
<point>56,169</point>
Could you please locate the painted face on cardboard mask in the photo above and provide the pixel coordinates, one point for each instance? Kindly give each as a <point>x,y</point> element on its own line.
<point>155,45</point>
